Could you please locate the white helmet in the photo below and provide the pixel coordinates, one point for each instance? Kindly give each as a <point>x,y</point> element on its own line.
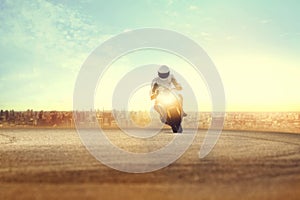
<point>163,72</point>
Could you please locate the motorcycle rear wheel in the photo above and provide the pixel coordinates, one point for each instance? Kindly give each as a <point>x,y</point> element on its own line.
<point>177,128</point>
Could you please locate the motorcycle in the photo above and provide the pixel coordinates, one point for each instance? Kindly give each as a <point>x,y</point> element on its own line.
<point>168,105</point>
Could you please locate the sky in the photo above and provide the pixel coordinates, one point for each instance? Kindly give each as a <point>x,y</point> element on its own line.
<point>254,45</point>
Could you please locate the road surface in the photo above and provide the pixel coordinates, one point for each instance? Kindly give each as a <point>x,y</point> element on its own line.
<point>53,164</point>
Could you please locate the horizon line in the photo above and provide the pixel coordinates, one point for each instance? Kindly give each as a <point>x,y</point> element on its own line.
<point>111,110</point>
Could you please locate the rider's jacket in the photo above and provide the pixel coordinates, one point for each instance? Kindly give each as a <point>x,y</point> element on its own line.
<point>166,83</point>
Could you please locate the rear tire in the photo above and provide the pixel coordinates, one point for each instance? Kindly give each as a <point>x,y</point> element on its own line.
<point>174,129</point>
<point>177,128</point>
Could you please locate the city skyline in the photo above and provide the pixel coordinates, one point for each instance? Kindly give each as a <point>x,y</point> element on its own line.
<point>254,46</point>
<point>246,121</point>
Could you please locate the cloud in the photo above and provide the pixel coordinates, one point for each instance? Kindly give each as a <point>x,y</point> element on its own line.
<point>265,21</point>
<point>205,34</point>
<point>193,7</point>
<point>229,37</point>
<point>54,34</point>
<point>42,47</point>
<point>170,2</point>
<point>289,35</point>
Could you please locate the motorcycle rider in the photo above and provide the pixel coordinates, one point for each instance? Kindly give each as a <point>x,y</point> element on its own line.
<point>167,80</point>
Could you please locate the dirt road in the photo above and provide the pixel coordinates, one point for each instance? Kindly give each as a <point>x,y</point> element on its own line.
<point>53,164</point>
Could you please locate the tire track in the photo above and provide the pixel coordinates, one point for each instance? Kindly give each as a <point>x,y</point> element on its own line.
<point>265,139</point>
<point>8,139</point>
<point>282,155</point>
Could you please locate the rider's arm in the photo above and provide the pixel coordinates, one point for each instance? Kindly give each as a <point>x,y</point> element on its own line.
<point>175,83</point>
<point>154,88</point>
